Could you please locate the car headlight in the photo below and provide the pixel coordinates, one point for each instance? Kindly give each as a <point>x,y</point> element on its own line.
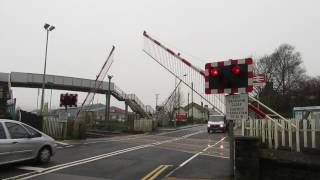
<point>221,125</point>
<point>208,125</point>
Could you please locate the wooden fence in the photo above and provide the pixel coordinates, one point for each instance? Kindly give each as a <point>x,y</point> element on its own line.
<point>54,127</point>
<point>144,125</point>
<point>293,134</point>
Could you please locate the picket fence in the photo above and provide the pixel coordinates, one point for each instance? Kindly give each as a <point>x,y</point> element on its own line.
<point>279,133</point>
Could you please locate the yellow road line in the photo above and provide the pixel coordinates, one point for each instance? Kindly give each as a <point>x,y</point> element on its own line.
<point>159,172</point>
<point>155,173</point>
<point>151,173</point>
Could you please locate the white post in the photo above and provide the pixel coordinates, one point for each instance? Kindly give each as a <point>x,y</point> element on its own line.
<point>313,133</point>
<point>269,133</point>
<point>276,140</point>
<point>251,127</point>
<point>257,127</point>
<point>305,133</point>
<point>254,127</point>
<point>290,134</point>
<point>263,130</point>
<point>283,137</point>
<point>243,126</point>
<point>297,135</point>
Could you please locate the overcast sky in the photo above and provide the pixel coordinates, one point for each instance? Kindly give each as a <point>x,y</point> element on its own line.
<point>205,30</point>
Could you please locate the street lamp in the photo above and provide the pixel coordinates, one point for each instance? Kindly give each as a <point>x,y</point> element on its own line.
<point>157,98</point>
<point>108,100</point>
<point>48,28</point>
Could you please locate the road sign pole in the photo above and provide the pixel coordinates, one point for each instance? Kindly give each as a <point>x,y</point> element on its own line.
<point>236,110</point>
<point>231,141</point>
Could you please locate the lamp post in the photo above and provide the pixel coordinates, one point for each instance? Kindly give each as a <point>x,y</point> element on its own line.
<point>157,98</point>
<point>108,100</point>
<point>48,28</point>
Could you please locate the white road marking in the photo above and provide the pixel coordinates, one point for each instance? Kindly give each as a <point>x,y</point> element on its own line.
<point>188,160</point>
<point>31,168</point>
<point>116,139</point>
<point>173,131</point>
<point>62,143</point>
<point>98,157</point>
<point>218,156</point>
<point>210,146</point>
<point>192,157</point>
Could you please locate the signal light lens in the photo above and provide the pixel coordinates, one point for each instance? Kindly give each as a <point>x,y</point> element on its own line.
<point>236,70</point>
<point>214,72</point>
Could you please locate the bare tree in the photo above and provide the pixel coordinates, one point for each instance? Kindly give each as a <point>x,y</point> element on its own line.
<point>283,67</point>
<point>285,73</point>
<point>174,102</point>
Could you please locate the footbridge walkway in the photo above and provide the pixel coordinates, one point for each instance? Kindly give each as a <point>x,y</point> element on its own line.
<point>32,80</point>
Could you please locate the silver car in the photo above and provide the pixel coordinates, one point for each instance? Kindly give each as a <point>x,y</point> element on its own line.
<point>20,142</point>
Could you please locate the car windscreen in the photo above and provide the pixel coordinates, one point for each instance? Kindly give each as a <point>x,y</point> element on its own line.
<point>2,133</point>
<point>216,118</point>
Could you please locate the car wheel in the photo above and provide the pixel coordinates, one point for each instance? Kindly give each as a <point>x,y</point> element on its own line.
<point>44,155</point>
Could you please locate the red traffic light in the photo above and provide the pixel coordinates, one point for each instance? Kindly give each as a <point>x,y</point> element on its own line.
<point>214,72</point>
<point>236,70</point>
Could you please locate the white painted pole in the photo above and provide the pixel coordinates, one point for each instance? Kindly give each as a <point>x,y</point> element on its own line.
<point>290,134</point>
<point>276,140</point>
<point>269,133</point>
<point>251,127</point>
<point>263,130</point>
<point>243,126</point>
<point>297,135</point>
<point>313,133</point>
<point>283,137</point>
<point>257,127</point>
<point>305,133</point>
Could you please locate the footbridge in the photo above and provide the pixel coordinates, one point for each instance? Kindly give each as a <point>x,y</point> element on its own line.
<point>32,80</point>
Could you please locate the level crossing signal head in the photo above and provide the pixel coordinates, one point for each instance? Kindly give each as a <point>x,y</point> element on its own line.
<point>229,77</point>
<point>68,100</point>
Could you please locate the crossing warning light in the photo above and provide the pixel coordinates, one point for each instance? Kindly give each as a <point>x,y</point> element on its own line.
<point>68,100</point>
<point>214,72</point>
<point>233,76</point>
<point>236,70</point>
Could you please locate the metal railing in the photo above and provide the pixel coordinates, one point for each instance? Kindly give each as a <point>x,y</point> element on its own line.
<point>134,98</point>
<point>120,92</point>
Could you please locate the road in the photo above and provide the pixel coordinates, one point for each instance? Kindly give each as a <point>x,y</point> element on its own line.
<point>189,153</point>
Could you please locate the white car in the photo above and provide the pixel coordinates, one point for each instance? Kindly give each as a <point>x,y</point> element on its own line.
<point>217,123</point>
<point>20,142</point>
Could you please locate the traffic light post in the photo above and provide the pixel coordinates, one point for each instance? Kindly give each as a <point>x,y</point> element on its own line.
<point>231,77</point>
<point>68,100</point>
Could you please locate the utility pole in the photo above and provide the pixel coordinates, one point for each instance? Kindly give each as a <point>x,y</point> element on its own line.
<point>48,28</point>
<point>50,98</point>
<point>38,98</point>
<point>188,105</point>
<point>192,101</point>
<point>157,97</point>
<point>175,103</point>
<point>107,114</point>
